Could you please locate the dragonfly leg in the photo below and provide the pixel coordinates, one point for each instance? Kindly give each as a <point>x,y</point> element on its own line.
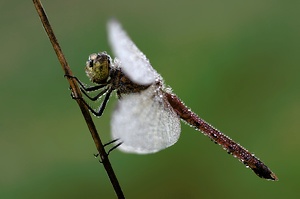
<point>84,87</point>
<point>114,147</point>
<point>108,143</point>
<point>97,96</point>
<point>111,149</point>
<point>99,112</point>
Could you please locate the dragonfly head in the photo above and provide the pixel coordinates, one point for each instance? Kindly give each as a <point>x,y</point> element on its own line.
<point>98,67</point>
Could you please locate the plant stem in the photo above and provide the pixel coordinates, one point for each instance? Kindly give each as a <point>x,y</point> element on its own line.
<point>78,96</point>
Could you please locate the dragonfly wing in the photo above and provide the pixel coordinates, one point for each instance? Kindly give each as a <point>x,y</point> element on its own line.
<point>133,62</point>
<point>145,122</point>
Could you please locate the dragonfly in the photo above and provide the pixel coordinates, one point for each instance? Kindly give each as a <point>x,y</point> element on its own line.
<point>147,116</point>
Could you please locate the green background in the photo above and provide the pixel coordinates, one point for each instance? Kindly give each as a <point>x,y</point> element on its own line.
<point>235,63</point>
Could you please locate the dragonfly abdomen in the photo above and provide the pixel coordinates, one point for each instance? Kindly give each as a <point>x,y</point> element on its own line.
<point>218,137</point>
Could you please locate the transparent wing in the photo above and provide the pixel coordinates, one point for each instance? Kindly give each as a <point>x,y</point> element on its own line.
<point>133,62</point>
<point>144,122</point>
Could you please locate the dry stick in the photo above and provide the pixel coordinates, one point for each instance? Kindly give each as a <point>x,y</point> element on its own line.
<point>77,94</point>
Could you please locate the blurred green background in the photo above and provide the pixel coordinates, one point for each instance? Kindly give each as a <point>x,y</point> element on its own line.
<point>235,63</point>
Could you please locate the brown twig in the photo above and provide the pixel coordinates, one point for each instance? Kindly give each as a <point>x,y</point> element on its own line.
<point>77,94</point>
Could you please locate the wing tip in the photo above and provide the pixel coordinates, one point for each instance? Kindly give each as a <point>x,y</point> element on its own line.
<point>113,23</point>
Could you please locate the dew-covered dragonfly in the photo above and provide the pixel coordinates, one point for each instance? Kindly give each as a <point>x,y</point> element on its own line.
<point>147,116</point>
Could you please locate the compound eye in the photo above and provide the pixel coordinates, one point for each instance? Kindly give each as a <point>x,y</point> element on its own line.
<point>91,63</point>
